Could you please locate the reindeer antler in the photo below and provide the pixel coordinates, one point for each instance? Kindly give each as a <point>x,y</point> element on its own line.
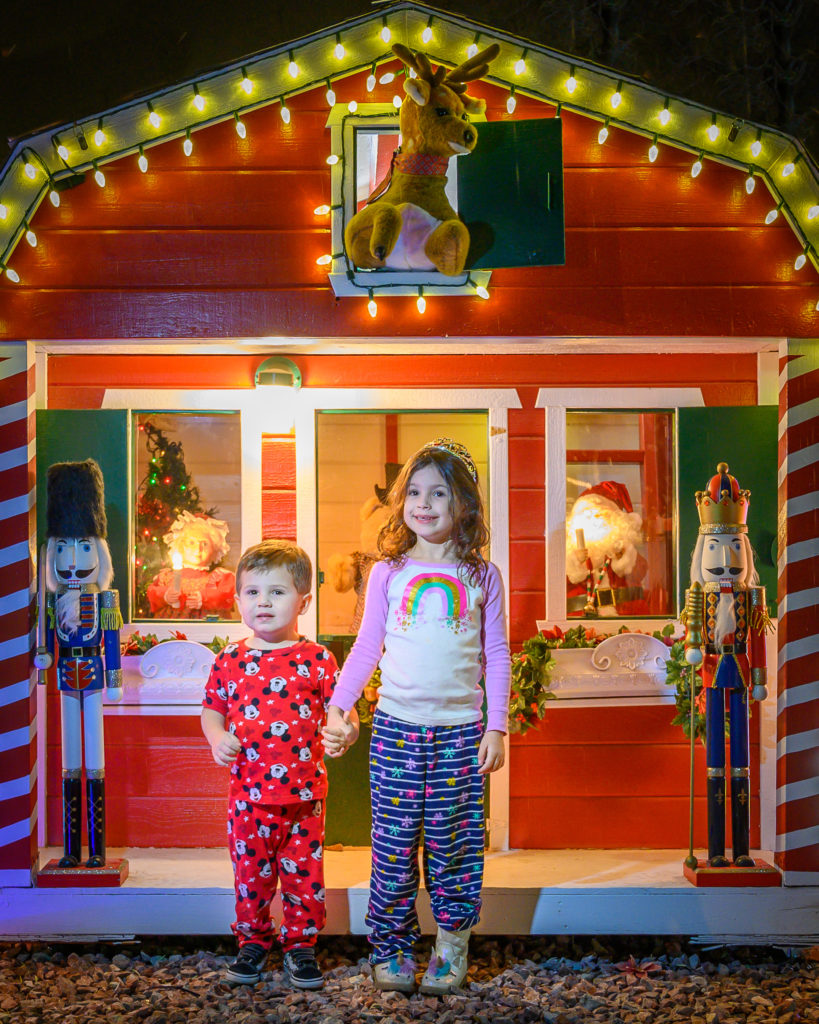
<point>470,71</point>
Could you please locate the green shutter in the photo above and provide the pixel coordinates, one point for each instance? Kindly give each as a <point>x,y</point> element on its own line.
<point>746,438</point>
<point>510,195</point>
<point>71,435</point>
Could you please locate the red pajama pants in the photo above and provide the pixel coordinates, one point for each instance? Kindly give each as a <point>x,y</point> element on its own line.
<point>277,843</point>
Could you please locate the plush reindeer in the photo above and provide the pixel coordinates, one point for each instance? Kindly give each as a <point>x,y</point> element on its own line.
<point>408,222</point>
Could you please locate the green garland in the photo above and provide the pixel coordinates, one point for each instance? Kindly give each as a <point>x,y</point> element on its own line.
<point>531,670</point>
<point>678,674</point>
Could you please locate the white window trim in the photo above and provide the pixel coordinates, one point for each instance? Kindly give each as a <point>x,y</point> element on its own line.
<point>343,279</point>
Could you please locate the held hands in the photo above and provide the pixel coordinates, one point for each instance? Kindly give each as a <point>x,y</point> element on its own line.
<point>225,748</point>
<point>340,733</point>
<point>490,753</point>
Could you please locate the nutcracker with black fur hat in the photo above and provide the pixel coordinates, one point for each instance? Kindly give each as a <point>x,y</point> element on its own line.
<point>80,623</point>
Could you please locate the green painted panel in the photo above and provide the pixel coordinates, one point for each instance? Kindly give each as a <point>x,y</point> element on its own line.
<point>510,195</point>
<point>348,803</point>
<point>746,438</point>
<point>72,435</point>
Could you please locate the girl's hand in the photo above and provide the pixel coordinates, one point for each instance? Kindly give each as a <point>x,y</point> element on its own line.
<point>339,734</point>
<point>490,753</point>
<point>225,748</point>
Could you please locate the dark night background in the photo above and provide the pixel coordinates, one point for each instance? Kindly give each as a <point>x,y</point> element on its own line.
<point>755,59</point>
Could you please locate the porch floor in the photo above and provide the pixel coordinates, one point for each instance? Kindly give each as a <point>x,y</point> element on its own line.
<point>603,892</point>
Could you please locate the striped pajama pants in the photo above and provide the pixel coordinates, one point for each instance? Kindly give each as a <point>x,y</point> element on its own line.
<point>424,781</point>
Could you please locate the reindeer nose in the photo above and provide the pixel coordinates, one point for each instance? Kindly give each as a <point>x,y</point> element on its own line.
<point>469,136</point>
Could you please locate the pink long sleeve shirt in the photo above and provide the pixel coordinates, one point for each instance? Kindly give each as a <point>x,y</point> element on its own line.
<point>434,636</point>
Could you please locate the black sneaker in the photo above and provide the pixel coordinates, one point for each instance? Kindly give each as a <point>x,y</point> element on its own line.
<point>246,969</point>
<point>301,969</point>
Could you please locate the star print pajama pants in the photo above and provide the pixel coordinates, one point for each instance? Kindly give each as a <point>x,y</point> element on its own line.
<point>424,780</point>
<point>277,844</point>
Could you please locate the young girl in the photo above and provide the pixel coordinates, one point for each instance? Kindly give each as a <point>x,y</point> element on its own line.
<point>434,622</point>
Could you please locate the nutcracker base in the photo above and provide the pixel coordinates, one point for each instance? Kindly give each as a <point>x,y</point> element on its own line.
<point>52,876</point>
<point>704,876</point>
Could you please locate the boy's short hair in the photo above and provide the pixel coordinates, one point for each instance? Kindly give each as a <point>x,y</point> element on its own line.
<point>272,553</point>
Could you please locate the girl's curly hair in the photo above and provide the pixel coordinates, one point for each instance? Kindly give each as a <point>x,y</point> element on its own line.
<point>470,534</point>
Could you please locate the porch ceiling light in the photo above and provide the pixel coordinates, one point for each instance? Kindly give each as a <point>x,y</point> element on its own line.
<point>277,371</point>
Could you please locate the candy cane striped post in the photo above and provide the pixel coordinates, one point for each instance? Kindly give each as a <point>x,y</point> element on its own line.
<point>797,775</point>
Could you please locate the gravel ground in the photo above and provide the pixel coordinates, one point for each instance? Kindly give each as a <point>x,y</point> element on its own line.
<point>511,981</point>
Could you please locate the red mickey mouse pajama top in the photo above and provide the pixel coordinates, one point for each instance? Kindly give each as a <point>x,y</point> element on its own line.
<point>274,702</point>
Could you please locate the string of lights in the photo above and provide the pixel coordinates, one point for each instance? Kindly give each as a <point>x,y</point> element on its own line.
<point>49,163</point>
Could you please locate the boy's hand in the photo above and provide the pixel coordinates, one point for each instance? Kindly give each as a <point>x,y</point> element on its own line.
<point>339,734</point>
<point>225,748</point>
<point>490,753</point>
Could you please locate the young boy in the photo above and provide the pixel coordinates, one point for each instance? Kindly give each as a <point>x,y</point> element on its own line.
<point>263,714</point>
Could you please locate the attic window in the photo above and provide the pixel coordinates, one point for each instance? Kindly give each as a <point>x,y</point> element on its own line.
<point>364,143</point>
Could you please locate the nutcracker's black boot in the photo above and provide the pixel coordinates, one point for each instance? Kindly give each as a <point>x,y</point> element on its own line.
<point>741,818</point>
<point>95,802</point>
<point>72,797</point>
<point>716,818</point>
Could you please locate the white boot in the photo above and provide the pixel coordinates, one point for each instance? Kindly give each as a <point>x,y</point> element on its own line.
<point>448,963</point>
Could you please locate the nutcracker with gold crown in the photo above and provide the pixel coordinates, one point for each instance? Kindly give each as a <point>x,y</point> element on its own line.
<point>726,620</point>
<point>79,622</point>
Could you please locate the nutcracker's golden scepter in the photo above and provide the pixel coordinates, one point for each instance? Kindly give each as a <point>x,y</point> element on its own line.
<point>693,638</point>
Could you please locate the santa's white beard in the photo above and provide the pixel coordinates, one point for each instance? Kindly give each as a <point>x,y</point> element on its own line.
<point>726,618</point>
<point>68,610</point>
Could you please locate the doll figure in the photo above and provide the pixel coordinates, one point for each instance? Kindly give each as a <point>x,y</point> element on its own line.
<point>604,569</point>
<point>79,624</point>
<point>726,619</point>
<point>195,587</point>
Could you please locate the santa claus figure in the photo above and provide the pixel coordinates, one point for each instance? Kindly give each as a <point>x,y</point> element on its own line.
<point>604,569</point>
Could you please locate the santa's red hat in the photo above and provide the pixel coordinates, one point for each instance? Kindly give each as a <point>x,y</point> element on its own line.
<point>613,491</point>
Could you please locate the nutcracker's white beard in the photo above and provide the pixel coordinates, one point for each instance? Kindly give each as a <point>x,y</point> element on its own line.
<point>68,610</point>
<point>726,617</point>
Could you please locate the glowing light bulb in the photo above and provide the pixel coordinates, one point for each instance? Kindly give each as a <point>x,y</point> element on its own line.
<point>788,169</point>
<point>12,275</point>
<point>421,303</point>
<point>713,131</point>
<point>30,171</point>
<point>352,106</point>
<point>322,211</point>
<point>372,308</point>
<point>756,148</point>
<point>324,260</point>
<point>187,145</point>
<point>99,138</point>
<point>339,51</point>
<point>332,159</point>
<point>31,238</point>
<point>602,135</point>
<point>285,113</point>
<point>154,118</point>
<point>571,84</point>
<point>750,184</point>
<point>696,167</point>
<point>330,96</point>
<point>396,102</point>
<point>616,99</point>
<point>293,69</point>
<point>54,196</point>
<point>664,116</point>
<point>520,67</point>
<point>481,292</point>
<point>198,99</point>
<point>385,34</point>
<point>370,82</point>
<point>246,84</point>
<point>813,213</point>
<point>426,35</point>
<point>771,215</point>
<point>511,103</point>
<point>472,49</point>
<point>800,261</point>
<point>241,128</point>
<point>99,177</point>
<point>4,211</point>
<point>143,161</point>
<point>653,152</point>
<point>387,77</point>
<point>62,151</point>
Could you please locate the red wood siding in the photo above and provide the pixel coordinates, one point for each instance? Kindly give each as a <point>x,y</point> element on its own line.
<point>224,244</point>
<point>279,487</point>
